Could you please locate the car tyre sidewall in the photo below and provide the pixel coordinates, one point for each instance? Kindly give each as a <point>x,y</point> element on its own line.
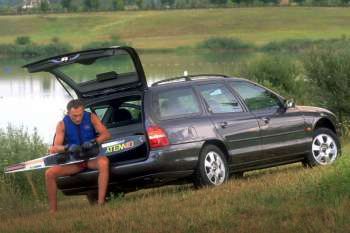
<point>201,178</point>
<point>310,160</point>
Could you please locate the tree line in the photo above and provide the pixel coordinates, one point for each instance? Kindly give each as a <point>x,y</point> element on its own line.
<point>46,6</point>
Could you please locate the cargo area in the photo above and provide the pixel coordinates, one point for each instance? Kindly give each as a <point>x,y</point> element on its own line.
<point>123,118</point>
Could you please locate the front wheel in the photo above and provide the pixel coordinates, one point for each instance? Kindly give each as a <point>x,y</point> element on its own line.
<point>325,148</point>
<point>212,169</point>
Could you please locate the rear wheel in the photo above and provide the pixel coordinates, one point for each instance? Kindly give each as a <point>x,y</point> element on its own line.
<point>212,167</point>
<point>325,148</point>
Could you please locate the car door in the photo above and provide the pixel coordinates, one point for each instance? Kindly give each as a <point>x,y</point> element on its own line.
<point>237,127</point>
<point>282,129</point>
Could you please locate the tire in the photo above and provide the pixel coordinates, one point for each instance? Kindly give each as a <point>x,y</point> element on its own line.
<point>212,169</point>
<point>325,148</point>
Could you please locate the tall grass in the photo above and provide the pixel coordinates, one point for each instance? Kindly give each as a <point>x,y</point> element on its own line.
<point>282,199</point>
<point>17,145</point>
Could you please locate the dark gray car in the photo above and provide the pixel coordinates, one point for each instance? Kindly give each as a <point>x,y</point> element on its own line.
<point>199,128</point>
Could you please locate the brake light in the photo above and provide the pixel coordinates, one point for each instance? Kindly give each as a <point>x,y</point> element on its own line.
<point>157,137</point>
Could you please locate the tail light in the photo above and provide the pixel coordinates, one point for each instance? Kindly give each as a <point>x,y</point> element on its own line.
<point>157,137</point>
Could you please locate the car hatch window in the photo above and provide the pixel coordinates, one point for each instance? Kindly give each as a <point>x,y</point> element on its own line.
<point>219,99</point>
<point>176,103</point>
<point>255,97</point>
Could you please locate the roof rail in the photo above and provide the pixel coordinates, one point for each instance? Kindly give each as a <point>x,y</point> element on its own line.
<point>188,78</point>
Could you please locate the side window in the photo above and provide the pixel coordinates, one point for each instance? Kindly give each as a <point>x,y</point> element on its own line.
<point>176,102</point>
<point>101,112</point>
<point>219,99</point>
<point>255,97</point>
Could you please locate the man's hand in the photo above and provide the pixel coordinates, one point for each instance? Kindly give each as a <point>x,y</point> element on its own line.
<point>89,145</point>
<point>56,149</point>
<point>90,149</point>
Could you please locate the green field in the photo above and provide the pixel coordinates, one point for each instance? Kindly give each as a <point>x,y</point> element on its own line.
<point>174,28</point>
<point>282,199</point>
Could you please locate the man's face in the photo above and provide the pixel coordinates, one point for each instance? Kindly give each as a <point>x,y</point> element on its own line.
<point>76,114</point>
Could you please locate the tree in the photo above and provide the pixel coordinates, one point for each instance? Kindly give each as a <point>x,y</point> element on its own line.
<point>44,6</point>
<point>218,2</point>
<point>67,4</point>
<point>91,4</point>
<point>117,4</point>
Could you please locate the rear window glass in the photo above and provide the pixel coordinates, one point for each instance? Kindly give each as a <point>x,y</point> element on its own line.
<point>116,66</point>
<point>176,103</point>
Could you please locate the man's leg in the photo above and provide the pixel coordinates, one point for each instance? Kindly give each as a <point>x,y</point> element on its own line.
<point>102,164</point>
<point>51,175</point>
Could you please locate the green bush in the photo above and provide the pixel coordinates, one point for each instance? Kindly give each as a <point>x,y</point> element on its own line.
<point>221,43</point>
<point>277,72</point>
<point>23,40</point>
<point>56,48</point>
<point>16,145</point>
<point>327,69</point>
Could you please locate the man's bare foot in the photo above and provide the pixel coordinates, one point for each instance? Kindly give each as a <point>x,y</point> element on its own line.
<point>53,212</point>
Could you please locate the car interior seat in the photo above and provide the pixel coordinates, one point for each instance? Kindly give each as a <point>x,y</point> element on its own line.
<point>121,114</point>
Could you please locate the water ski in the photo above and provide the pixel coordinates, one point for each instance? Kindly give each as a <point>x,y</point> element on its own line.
<point>110,148</point>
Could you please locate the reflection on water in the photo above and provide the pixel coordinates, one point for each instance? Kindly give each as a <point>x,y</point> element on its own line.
<point>38,100</point>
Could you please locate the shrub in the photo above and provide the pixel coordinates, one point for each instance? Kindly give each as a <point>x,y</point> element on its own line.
<point>328,70</point>
<point>56,48</point>
<point>23,40</point>
<point>277,72</point>
<point>16,145</point>
<point>221,43</point>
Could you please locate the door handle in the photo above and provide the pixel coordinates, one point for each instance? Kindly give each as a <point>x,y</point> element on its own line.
<point>223,124</point>
<point>266,120</point>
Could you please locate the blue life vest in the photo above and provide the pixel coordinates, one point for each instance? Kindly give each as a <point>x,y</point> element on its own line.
<point>78,134</point>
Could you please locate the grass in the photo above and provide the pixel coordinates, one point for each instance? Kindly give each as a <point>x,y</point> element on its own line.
<point>283,199</point>
<point>171,29</point>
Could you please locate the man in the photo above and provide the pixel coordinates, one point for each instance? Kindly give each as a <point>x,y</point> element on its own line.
<point>81,128</point>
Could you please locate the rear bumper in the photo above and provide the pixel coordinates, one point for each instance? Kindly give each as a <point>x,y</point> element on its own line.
<point>162,166</point>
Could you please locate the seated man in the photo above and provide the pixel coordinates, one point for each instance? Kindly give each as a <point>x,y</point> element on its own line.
<point>78,127</point>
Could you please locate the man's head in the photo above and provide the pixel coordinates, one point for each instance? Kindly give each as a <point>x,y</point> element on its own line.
<point>75,110</point>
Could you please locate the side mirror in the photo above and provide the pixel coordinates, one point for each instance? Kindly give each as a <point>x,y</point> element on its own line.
<point>290,103</point>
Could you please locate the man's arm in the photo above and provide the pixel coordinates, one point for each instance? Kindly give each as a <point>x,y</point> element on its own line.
<point>100,128</point>
<point>58,146</point>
